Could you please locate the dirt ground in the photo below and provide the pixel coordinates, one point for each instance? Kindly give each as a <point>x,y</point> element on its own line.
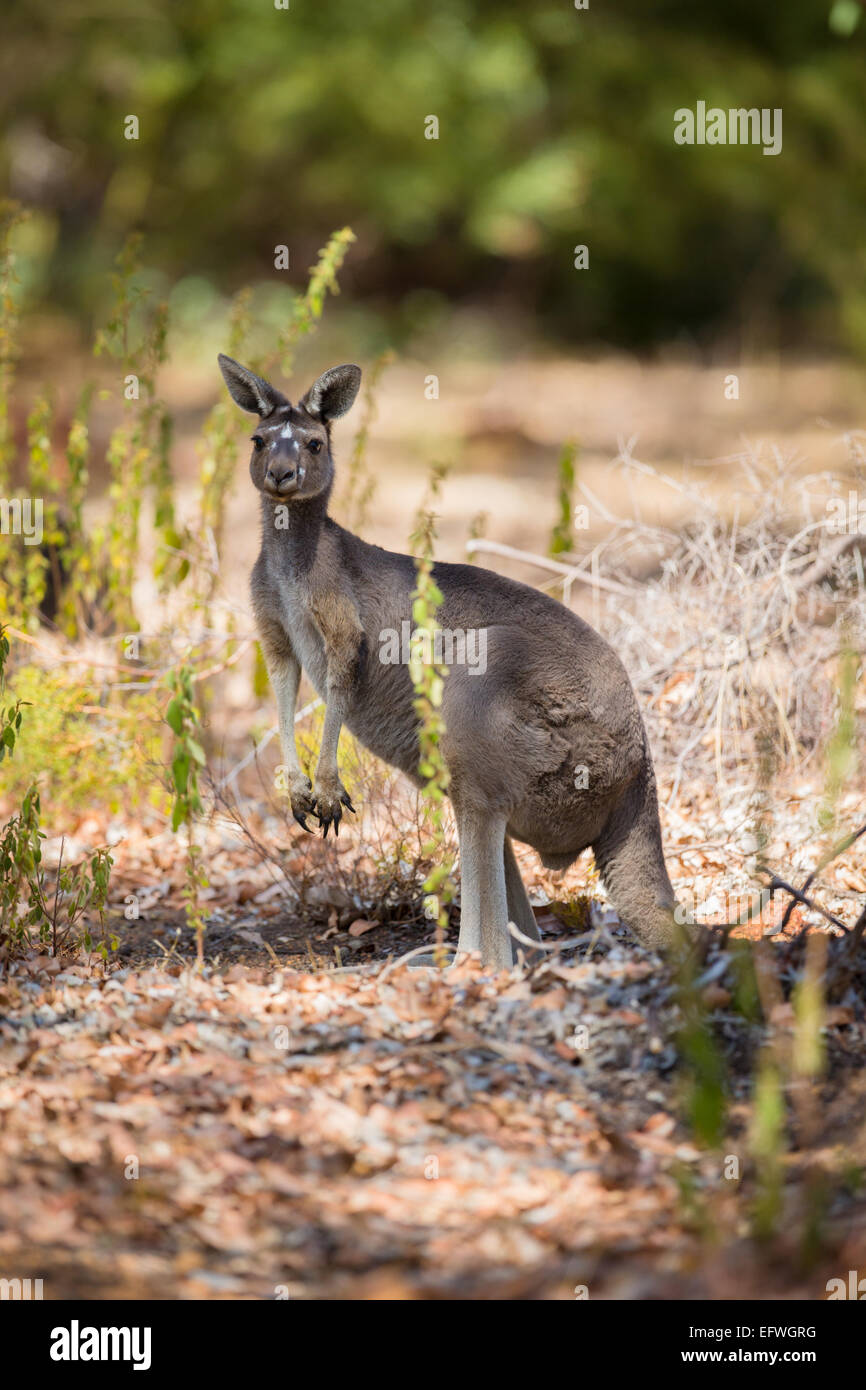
<point>318,1123</point>
<point>265,1132</point>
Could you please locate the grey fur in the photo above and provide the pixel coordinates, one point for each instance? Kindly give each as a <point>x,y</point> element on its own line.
<point>250,391</point>
<point>334,393</point>
<point>554,697</point>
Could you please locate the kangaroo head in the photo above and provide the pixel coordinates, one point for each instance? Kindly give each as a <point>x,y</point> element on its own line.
<point>291,456</point>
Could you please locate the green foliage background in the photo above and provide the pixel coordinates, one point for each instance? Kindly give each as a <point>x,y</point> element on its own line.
<point>262,126</point>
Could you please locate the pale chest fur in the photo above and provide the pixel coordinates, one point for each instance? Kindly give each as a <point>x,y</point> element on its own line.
<point>293,608</point>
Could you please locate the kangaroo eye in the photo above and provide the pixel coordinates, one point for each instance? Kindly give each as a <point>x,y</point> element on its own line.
<point>258,441</point>
<point>314,445</point>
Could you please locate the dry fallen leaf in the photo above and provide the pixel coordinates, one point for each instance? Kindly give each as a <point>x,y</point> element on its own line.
<point>361,925</point>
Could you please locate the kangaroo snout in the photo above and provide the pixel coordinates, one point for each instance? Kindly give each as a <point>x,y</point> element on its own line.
<point>281,477</point>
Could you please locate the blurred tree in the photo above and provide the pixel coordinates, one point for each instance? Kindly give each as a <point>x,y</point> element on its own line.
<point>260,126</point>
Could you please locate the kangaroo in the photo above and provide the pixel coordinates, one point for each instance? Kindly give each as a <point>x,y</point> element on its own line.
<point>545,745</point>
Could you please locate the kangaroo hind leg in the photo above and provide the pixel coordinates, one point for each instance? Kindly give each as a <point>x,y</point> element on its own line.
<point>519,907</point>
<point>483,897</point>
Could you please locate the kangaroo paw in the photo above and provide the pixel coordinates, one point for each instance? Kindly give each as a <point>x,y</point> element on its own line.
<point>330,800</point>
<point>303,802</point>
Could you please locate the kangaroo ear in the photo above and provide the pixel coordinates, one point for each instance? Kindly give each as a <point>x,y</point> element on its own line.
<point>334,393</point>
<point>249,391</point>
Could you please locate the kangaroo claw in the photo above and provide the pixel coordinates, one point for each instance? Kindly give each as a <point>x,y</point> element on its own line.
<point>347,803</point>
<point>301,800</point>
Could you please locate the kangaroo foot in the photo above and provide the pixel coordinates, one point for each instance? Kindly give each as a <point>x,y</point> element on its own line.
<point>302,801</point>
<point>330,798</point>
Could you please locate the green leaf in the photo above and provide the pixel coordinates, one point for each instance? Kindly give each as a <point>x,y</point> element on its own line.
<point>180,771</point>
<point>174,715</point>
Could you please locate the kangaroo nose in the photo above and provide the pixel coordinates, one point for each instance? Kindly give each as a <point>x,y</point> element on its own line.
<point>275,477</point>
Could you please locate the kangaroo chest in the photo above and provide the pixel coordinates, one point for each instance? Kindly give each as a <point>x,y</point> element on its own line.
<point>306,639</point>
